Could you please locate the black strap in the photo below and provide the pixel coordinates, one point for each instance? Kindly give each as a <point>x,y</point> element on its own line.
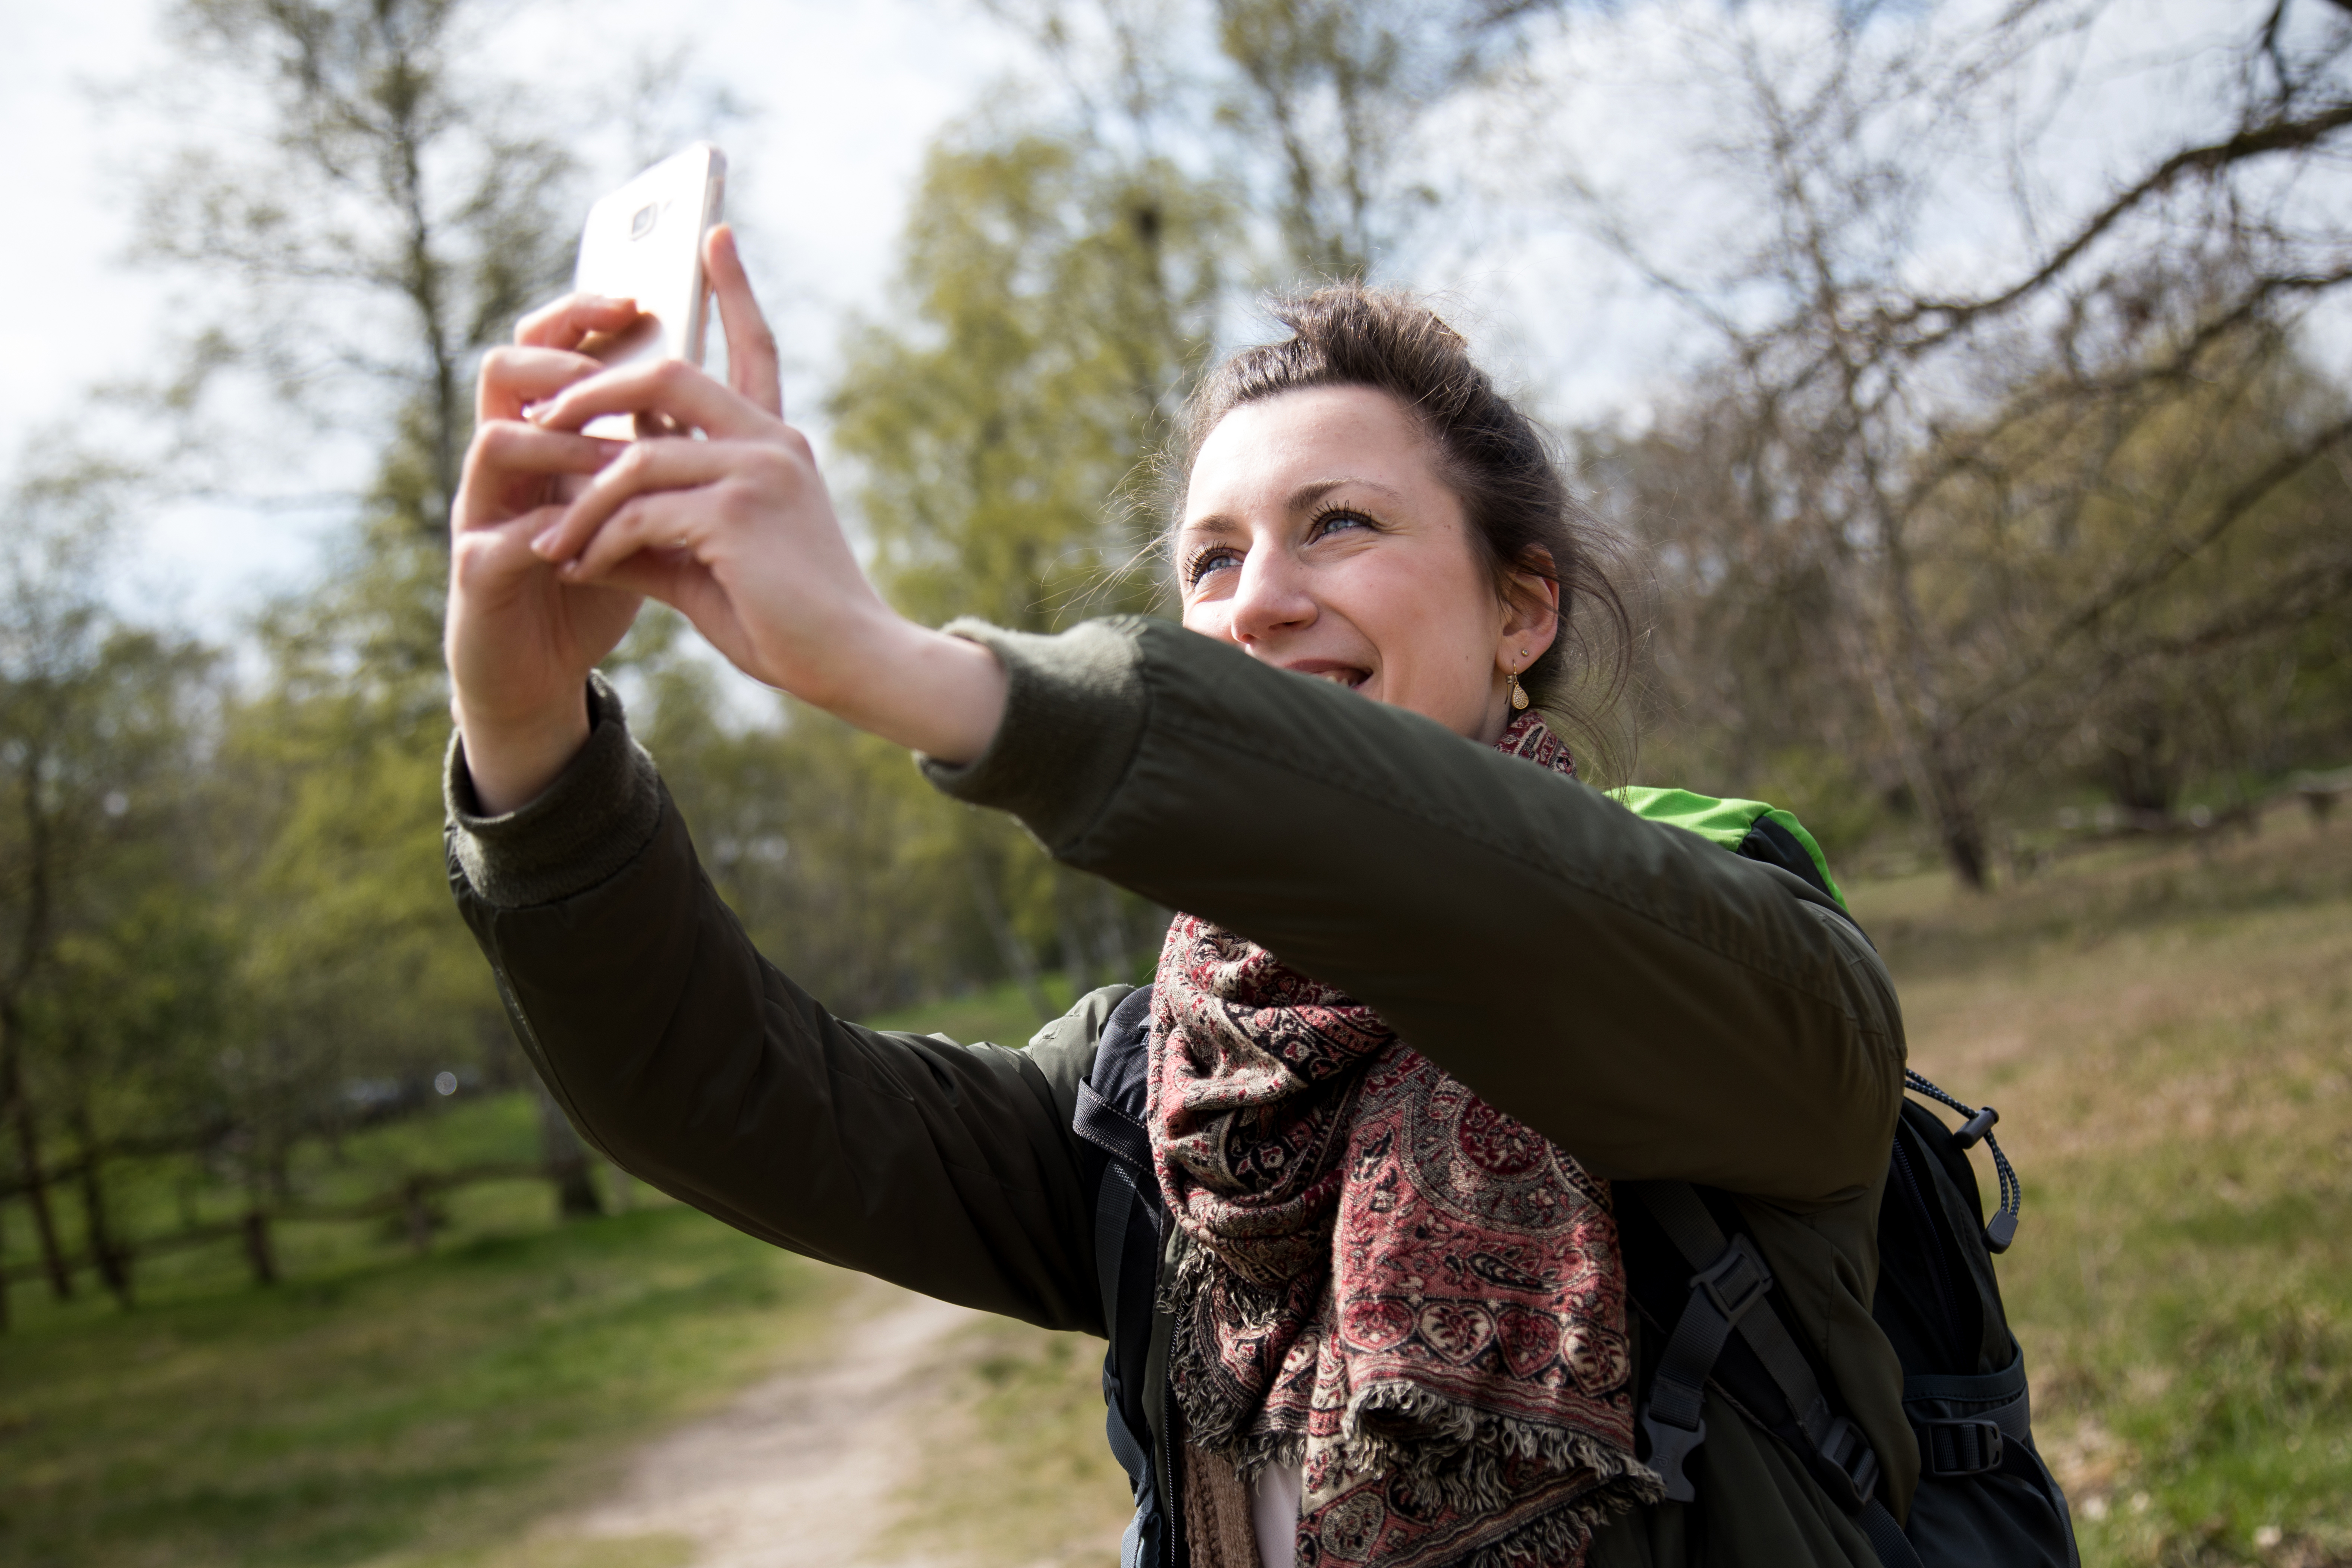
<point>1731,1281</point>
<point>1721,1295</point>
<point>1964,1447</point>
<point>1111,1130</point>
<point>1996,1417</point>
<point>1115,1200</point>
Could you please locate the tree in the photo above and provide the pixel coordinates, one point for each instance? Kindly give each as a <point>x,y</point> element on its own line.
<point>386,214</point>
<point>388,217</point>
<point>1315,106</point>
<point>95,719</point>
<point>1921,498</point>
<point>1326,95</point>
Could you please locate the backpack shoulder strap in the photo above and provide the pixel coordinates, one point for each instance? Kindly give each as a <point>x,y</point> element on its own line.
<point>1729,1285</point>
<point>1129,1222</point>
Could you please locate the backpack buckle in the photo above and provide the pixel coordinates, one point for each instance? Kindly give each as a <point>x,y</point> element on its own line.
<point>1959,1448</point>
<point>1735,1282</point>
<point>1850,1453</point>
<point>1670,1449</point>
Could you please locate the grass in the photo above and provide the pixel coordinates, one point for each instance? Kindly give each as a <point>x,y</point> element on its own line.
<point>2169,1037</point>
<point>401,1410</point>
<point>1014,1470</point>
<point>2169,1033</point>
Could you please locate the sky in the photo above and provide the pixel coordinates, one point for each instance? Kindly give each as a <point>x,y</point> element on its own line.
<point>845,99</point>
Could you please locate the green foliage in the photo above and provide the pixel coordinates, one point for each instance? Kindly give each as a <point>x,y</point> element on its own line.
<point>2136,586</point>
<point>349,961</point>
<point>843,866</point>
<point>1058,303</point>
<point>1056,308</point>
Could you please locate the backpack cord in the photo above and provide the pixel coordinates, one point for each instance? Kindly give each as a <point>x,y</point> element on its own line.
<point>2001,1229</point>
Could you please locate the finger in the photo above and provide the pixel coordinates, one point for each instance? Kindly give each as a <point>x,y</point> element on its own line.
<point>564,324</point>
<point>686,584</point>
<point>668,386</point>
<point>490,563</point>
<point>751,363</point>
<point>646,468</point>
<point>509,450</point>
<point>512,379</point>
<point>661,571</point>
<point>664,520</point>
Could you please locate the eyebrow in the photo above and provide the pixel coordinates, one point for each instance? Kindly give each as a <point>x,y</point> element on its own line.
<point>1305,496</point>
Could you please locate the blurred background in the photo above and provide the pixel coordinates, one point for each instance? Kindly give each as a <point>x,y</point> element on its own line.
<point>1968,380</point>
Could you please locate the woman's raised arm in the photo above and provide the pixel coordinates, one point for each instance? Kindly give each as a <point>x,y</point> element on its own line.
<point>690,1061</point>
<point>1656,1006</point>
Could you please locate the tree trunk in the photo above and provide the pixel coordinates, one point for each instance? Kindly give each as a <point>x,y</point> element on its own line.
<point>1009,945</point>
<point>566,1159</point>
<point>113,1261</point>
<point>1076,967</point>
<point>259,1256</point>
<point>417,1214</point>
<point>1118,947</point>
<point>36,1187</point>
<point>1954,804</point>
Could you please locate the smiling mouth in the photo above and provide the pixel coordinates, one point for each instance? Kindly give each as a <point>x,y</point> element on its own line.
<point>1351,678</point>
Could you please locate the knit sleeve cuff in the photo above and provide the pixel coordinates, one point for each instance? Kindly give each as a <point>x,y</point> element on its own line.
<point>582,829</point>
<point>1074,714</point>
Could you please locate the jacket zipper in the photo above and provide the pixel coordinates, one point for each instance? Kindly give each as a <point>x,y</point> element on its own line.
<point>1171,1505</point>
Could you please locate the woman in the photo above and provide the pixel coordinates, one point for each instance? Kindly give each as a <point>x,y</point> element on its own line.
<point>1394,1320</point>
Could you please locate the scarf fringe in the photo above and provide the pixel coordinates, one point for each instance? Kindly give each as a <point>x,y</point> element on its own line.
<point>1464,1453</point>
<point>1563,1534</point>
<point>1459,1452</point>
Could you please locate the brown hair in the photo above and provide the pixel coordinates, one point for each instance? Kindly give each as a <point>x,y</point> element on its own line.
<point>1492,456</point>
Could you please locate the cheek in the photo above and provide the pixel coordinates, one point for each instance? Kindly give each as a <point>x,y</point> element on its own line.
<point>1430,612</point>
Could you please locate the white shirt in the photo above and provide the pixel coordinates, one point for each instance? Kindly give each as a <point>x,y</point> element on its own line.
<point>1274,1497</point>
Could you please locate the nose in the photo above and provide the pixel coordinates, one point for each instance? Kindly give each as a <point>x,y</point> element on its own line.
<point>1272,598</point>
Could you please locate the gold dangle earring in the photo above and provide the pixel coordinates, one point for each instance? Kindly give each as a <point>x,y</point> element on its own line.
<point>1518,694</point>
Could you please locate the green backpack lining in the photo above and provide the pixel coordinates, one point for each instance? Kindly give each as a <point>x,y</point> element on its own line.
<point>1781,840</point>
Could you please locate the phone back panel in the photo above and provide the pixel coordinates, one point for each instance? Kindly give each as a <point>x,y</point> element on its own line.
<point>643,242</point>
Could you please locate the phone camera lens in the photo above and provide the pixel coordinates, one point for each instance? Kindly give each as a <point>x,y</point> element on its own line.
<point>643,223</point>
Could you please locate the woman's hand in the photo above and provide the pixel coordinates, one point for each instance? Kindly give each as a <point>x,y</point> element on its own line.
<point>520,641</point>
<point>736,531</point>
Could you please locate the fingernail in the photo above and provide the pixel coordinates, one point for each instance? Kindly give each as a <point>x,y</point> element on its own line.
<point>544,545</point>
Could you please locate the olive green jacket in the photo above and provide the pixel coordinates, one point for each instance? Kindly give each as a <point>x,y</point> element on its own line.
<point>1655,1007</point>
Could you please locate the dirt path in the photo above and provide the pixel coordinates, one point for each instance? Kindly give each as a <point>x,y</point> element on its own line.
<point>801,1470</point>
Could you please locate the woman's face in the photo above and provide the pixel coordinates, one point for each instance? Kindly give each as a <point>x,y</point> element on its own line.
<point>1317,535</point>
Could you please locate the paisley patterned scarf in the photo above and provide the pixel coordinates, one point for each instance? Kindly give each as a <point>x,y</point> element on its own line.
<point>1390,1281</point>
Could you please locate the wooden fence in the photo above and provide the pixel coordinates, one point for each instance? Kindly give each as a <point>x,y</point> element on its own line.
<point>114,1260</point>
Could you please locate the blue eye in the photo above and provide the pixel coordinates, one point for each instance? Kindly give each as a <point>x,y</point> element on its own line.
<point>1201,563</point>
<point>1337,518</point>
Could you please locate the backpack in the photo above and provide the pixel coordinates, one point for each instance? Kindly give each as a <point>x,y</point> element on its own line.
<point>1702,1286</point>
<point>1698,1279</point>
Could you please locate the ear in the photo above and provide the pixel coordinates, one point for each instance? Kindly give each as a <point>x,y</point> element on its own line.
<point>1530,612</point>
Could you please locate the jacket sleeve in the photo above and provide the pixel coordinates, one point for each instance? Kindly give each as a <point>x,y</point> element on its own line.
<point>1657,1007</point>
<point>687,1060</point>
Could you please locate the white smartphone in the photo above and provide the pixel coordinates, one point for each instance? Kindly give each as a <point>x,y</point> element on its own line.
<point>643,242</point>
